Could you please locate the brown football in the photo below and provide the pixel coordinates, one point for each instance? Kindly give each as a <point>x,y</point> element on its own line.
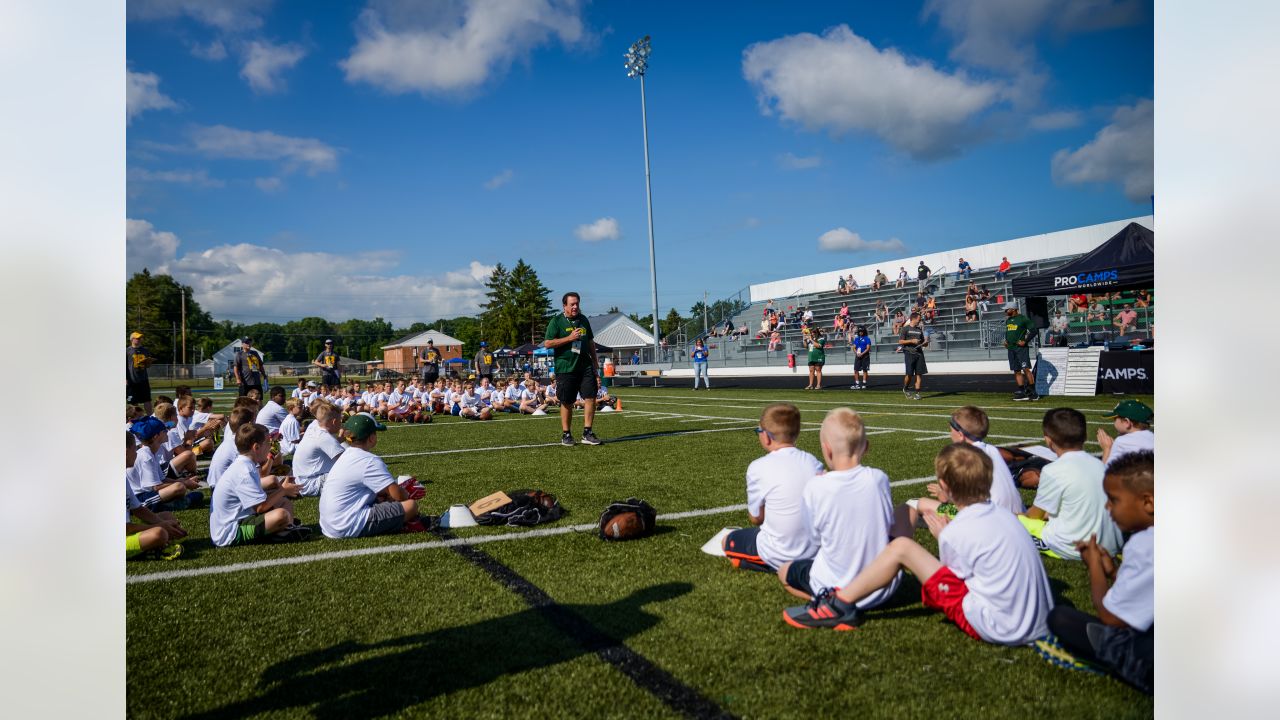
<point>624,526</point>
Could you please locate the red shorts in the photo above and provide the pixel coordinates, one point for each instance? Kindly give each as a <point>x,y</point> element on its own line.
<point>944,591</point>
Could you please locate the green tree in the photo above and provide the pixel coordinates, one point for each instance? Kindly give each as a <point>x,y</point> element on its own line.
<point>671,322</point>
<point>498,319</point>
<point>530,305</point>
<point>153,306</point>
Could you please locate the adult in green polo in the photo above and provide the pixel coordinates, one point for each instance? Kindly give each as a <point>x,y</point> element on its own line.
<point>1018,332</point>
<point>569,335</point>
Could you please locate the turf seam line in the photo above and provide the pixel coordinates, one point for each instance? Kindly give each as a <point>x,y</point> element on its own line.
<point>646,675</point>
<point>411,547</point>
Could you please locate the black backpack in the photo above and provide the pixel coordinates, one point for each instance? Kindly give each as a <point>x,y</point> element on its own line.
<point>527,507</point>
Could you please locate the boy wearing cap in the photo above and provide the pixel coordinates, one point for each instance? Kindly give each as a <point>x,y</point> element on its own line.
<point>148,476</point>
<point>327,361</point>
<point>241,511</point>
<point>248,368</point>
<point>1018,331</point>
<point>137,385</point>
<point>1133,431</point>
<point>361,497</point>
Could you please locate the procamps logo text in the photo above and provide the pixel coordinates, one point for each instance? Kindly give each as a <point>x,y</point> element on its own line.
<point>1086,279</point>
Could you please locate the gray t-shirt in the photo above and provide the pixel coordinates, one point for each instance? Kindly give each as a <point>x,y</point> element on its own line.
<point>484,362</point>
<point>135,364</point>
<point>249,365</point>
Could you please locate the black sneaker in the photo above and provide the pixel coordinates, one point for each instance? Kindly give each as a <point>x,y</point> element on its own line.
<point>1033,396</point>
<point>824,611</point>
<point>589,438</point>
<point>1020,395</point>
<point>566,440</point>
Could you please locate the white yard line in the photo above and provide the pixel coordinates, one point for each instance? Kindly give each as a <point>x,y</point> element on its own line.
<point>867,413</point>
<point>1028,407</point>
<point>430,545</point>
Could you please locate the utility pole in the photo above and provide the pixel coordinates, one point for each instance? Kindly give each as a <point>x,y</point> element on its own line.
<point>704,312</point>
<point>184,324</point>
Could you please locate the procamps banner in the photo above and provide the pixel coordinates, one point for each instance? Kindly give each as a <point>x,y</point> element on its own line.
<point>1126,371</point>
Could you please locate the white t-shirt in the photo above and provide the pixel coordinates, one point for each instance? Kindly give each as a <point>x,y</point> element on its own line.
<point>234,499</point>
<point>271,415</point>
<point>1132,442</point>
<point>1071,493</point>
<point>467,400</point>
<point>351,488</point>
<point>850,512</point>
<point>131,478</point>
<point>776,483</point>
<point>199,420</point>
<point>290,434</point>
<point>1132,597</point>
<point>315,455</point>
<point>527,395</point>
<point>1008,602</point>
<point>514,393</point>
<point>1004,491</point>
<point>184,424</point>
<point>222,458</point>
<point>148,470</point>
<point>130,503</point>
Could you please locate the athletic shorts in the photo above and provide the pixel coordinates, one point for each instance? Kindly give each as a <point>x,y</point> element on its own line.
<point>384,517</point>
<point>312,486</point>
<point>915,364</point>
<point>251,529</point>
<point>1019,358</point>
<point>1036,528</point>
<point>244,389</point>
<point>817,364</point>
<point>137,393</point>
<point>862,363</point>
<point>944,591</point>
<point>132,545</point>
<point>740,548</point>
<point>570,385</point>
<point>798,575</point>
<point>430,375</point>
<point>330,378</point>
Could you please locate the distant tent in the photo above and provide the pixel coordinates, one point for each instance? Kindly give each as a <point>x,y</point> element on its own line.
<point>526,349</point>
<point>1125,262</point>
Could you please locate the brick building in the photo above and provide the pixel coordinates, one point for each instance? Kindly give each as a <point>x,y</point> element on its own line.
<point>403,355</point>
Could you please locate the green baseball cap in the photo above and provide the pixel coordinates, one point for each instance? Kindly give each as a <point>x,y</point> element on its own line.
<point>363,425</point>
<point>1134,410</point>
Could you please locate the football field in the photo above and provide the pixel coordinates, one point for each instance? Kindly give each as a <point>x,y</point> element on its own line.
<point>554,622</point>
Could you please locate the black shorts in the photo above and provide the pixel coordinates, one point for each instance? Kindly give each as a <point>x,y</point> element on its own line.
<point>817,364</point>
<point>740,548</point>
<point>798,575</point>
<point>484,375</point>
<point>862,363</point>
<point>329,378</point>
<point>430,374</point>
<point>916,364</point>
<point>570,385</point>
<point>139,392</point>
<point>1019,358</point>
<point>244,389</point>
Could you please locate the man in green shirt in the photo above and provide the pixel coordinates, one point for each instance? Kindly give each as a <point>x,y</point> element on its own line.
<point>570,336</point>
<point>1018,331</point>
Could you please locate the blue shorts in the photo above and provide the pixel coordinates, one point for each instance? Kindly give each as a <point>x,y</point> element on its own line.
<point>798,575</point>
<point>740,548</point>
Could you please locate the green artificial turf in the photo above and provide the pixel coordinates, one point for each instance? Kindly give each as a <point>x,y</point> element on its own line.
<point>422,630</point>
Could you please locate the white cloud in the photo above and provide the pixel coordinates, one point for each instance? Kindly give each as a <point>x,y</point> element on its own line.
<point>225,15</point>
<point>145,247</point>
<point>269,184</point>
<point>791,161</point>
<point>500,179</point>
<point>841,83</point>
<point>292,153</point>
<point>197,178</point>
<point>253,281</point>
<point>264,63</point>
<point>213,51</point>
<point>1122,152</point>
<point>606,228</point>
<point>454,47</point>
<point>142,92</point>
<point>845,240</point>
<point>1056,120</point>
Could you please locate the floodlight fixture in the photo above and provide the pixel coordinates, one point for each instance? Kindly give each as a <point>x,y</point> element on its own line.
<point>637,63</point>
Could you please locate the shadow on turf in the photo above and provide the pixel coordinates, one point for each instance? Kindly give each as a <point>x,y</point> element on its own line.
<point>361,680</point>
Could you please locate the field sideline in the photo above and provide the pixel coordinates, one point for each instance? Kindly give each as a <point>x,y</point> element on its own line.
<point>557,623</point>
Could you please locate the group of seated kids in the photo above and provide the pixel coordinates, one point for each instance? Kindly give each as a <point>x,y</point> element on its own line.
<point>835,538</point>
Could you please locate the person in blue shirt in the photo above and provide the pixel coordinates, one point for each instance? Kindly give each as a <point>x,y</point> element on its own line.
<point>699,355</point>
<point>861,358</point>
<point>963,269</point>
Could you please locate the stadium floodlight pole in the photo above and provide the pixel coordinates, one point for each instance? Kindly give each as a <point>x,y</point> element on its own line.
<point>637,62</point>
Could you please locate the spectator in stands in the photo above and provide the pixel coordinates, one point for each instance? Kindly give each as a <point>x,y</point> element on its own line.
<point>1126,320</point>
<point>1003,269</point>
<point>880,280</point>
<point>853,284</point>
<point>922,276</point>
<point>844,312</point>
<point>972,289</point>
<point>921,300</point>
<point>1142,299</point>
<point>899,319</point>
<point>807,318</point>
<point>1057,328</point>
<point>766,326</point>
<point>902,278</point>
<point>931,310</point>
<point>768,308</point>
<point>882,313</point>
<point>1078,303</point>
<point>962,269</point>
<point>1097,313</point>
<point>984,297</point>
<point>842,287</point>
<point>635,355</point>
<point>970,308</point>
<point>775,339</point>
<point>740,331</point>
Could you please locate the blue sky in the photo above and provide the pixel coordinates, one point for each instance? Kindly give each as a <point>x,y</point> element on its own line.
<point>378,159</point>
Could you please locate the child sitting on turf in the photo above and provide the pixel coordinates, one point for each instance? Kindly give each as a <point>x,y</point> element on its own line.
<point>361,497</point>
<point>470,406</point>
<point>157,530</point>
<point>1133,430</point>
<point>151,487</point>
<point>241,511</point>
<point>319,448</point>
<point>1070,504</point>
<point>970,425</point>
<point>290,427</point>
<point>988,579</point>
<point>850,511</point>
<point>528,399</point>
<point>1121,638</point>
<point>189,420</point>
<point>227,452</point>
<point>775,497</point>
<point>605,400</point>
<point>552,399</point>
<point>175,454</point>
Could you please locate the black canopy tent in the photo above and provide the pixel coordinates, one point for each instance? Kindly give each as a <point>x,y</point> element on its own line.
<point>1125,262</point>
